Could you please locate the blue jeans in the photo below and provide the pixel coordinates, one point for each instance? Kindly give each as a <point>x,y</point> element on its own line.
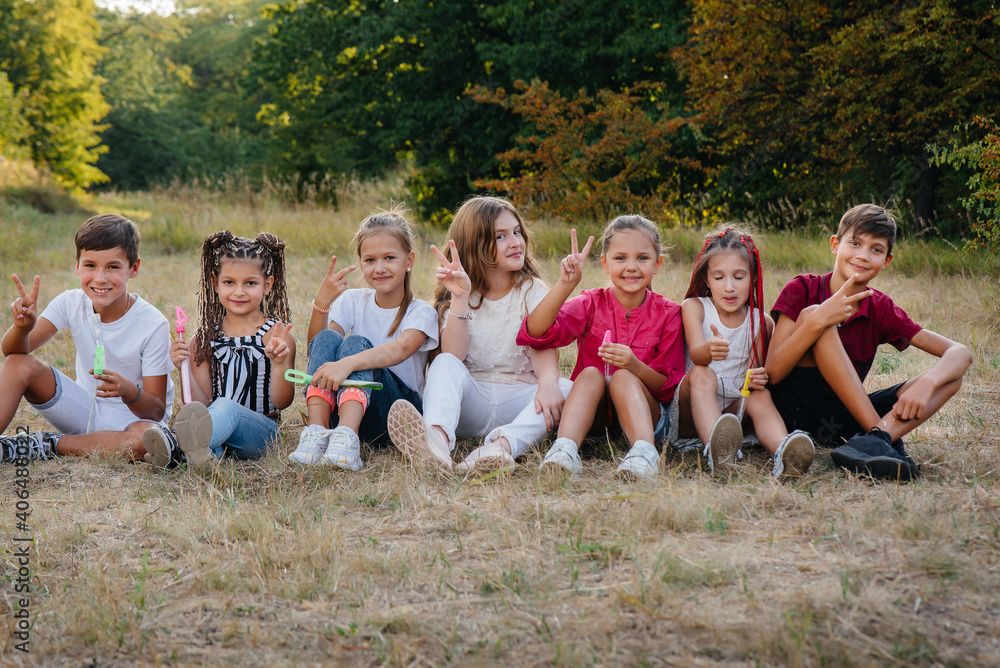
<point>329,346</point>
<point>239,432</point>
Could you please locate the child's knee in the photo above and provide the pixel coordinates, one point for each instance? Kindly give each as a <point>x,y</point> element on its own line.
<point>590,376</point>
<point>327,339</point>
<point>702,379</point>
<point>353,345</point>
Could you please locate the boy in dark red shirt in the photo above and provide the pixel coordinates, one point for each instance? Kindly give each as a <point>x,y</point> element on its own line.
<point>827,330</point>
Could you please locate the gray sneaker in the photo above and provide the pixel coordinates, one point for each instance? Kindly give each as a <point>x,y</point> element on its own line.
<point>162,449</point>
<point>564,456</point>
<point>26,445</point>
<point>193,426</point>
<point>724,443</point>
<point>795,455</point>
<point>641,462</point>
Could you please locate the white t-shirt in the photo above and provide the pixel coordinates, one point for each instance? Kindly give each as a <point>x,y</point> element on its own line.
<point>135,345</point>
<point>494,356</point>
<point>357,313</point>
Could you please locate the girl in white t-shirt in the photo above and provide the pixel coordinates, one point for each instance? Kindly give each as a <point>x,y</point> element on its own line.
<point>378,333</point>
<point>483,385</point>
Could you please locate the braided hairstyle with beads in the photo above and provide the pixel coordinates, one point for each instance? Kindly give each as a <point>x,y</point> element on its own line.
<point>224,245</point>
<point>733,239</point>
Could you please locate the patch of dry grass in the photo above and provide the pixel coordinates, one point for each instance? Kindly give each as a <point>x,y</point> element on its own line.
<point>271,564</point>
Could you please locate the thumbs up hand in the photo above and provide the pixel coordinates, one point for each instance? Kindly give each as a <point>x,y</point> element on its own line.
<point>718,346</point>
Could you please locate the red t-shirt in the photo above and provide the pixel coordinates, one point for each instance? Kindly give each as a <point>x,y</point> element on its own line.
<point>878,320</point>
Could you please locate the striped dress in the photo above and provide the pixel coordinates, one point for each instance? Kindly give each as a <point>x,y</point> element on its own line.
<point>243,371</point>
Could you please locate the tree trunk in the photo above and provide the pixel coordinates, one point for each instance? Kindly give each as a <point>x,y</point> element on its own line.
<point>924,209</point>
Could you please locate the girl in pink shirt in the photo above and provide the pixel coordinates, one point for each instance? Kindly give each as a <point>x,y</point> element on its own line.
<point>630,350</point>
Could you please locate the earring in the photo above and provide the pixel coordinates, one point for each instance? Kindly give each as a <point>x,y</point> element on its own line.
<point>408,268</point>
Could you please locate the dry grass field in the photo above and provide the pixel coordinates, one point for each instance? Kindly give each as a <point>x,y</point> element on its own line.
<point>267,563</point>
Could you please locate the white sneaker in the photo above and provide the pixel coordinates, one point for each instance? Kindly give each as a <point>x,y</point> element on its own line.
<point>642,461</point>
<point>564,454</point>
<point>344,450</point>
<point>487,457</point>
<point>312,446</point>
<point>795,454</point>
<point>419,441</point>
<point>724,443</point>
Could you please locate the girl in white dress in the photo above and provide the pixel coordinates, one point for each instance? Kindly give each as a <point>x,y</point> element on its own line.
<point>727,331</point>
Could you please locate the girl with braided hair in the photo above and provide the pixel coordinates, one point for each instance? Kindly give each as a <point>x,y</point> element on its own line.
<point>239,355</point>
<point>727,333</point>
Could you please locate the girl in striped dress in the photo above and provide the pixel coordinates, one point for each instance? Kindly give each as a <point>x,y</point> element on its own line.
<point>241,351</point>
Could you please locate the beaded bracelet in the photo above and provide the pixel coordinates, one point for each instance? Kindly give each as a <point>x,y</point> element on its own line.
<point>137,395</point>
<point>466,317</point>
<point>321,310</point>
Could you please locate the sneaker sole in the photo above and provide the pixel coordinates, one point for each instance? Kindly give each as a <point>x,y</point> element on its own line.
<point>409,434</point>
<point>193,426</point>
<point>883,468</point>
<point>485,465</point>
<point>157,450</point>
<point>726,439</point>
<point>798,455</point>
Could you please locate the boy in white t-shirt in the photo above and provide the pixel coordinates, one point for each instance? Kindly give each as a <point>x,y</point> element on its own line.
<point>122,384</point>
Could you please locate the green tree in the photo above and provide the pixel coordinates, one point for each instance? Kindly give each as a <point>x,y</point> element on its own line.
<point>596,156</point>
<point>359,87</point>
<point>809,98</point>
<point>48,50</point>
<point>174,85</point>
<point>15,127</point>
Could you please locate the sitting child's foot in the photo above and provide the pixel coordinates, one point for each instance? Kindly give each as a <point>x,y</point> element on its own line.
<point>344,450</point>
<point>27,445</point>
<point>162,449</point>
<point>795,455</point>
<point>312,445</point>
<point>563,456</point>
<point>193,426</point>
<point>872,453</point>
<point>724,443</point>
<point>641,462</point>
<point>487,457</point>
<point>417,440</point>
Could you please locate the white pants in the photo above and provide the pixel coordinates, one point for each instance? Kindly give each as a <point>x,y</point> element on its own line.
<point>467,408</point>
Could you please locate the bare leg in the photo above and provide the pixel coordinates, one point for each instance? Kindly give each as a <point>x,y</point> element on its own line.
<point>584,402</point>
<point>899,428</point>
<point>318,411</point>
<point>23,376</point>
<point>840,375</point>
<point>635,406</point>
<point>767,422</point>
<point>350,413</point>
<point>704,408</point>
<point>126,443</point>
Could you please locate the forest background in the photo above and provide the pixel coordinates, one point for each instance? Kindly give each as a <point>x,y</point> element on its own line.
<point>300,118</point>
<point>784,113</point>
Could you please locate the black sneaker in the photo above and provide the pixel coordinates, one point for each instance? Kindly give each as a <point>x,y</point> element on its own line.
<point>26,445</point>
<point>900,451</point>
<point>872,453</point>
<point>162,450</point>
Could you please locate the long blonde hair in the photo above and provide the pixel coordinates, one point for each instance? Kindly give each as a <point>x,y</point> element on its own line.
<point>393,222</point>
<point>473,231</point>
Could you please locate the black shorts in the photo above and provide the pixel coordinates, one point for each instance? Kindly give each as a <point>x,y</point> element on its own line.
<point>804,403</point>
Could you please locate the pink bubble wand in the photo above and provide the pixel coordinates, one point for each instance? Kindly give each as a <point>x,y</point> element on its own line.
<point>185,365</point>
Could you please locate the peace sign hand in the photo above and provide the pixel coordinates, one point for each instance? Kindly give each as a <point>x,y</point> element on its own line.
<point>277,348</point>
<point>571,268</point>
<point>334,284</point>
<point>451,274</point>
<point>840,306</point>
<point>718,346</point>
<point>25,308</point>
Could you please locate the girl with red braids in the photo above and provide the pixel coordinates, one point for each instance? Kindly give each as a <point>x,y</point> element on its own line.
<point>727,332</point>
